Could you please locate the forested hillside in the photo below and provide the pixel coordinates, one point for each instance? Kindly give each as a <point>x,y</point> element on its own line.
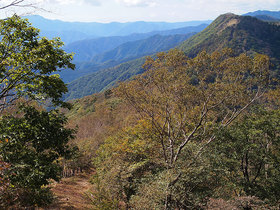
<point>123,53</point>
<point>94,54</point>
<point>149,46</point>
<point>104,79</point>
<point>187,133</point>
<point>95,82</point>
<point>86,49</point>
<point>240,33</point>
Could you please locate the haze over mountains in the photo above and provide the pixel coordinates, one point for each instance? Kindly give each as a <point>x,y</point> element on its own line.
<point>106,53</point>
<point>274,14</point>
<point>122,53</point>
<point>74,31</point>
<point>93,53</point>
<point>86,49</point>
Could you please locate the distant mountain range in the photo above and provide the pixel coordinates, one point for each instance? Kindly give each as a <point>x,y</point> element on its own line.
<point>274,14</point>
<point>86,49</point>
<point>124,52</point>
<point>74,31</point>
<point>241,33</point>
<point>100,53</point>
<point>119,42</point>
<point>139,48</point>
<point>269,16</point>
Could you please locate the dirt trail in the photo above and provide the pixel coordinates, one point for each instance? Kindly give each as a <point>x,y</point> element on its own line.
<point>70,193</point>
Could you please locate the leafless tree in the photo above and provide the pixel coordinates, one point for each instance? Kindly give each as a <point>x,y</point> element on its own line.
<point>4,4</point>
<point>21,7</point>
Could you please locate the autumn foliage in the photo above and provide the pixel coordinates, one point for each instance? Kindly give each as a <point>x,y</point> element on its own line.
<point>162,158</point>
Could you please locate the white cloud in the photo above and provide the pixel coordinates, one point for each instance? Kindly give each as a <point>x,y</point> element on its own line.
<point>148,10</point>
<point>137,3</point>
<point>76,2</point>
<point>93,2</point>
<point>61,2</point>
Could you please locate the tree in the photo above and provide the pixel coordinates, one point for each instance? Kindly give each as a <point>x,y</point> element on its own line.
<point>31,145</point>
<point>249,153</point>
<point>186,100</point>
<point>27,64</point>
<point>31,141</point>
<point>121,162</point>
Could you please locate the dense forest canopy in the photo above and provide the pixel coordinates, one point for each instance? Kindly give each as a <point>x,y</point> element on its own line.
<point>166,160</point>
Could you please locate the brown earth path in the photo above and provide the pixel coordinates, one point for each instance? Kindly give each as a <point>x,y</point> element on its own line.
<point>71,192</point>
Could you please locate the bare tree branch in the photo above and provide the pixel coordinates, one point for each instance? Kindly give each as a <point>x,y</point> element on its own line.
<point>16,3</point>
<point>33,5</point>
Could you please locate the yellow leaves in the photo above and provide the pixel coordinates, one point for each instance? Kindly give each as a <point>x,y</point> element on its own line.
<point>6,140</point>
<point>177,96</point>
<point>128,145</point>
<point>273,97</point>
<point>131,144</point>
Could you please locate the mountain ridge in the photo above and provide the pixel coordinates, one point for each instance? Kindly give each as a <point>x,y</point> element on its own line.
<point>95,29</point>
<point>241,33</point>
<point>275,14</point>
<point>104,47</point>
<point>143,47</point>
<point>125,52</point>
<point>86,49</point>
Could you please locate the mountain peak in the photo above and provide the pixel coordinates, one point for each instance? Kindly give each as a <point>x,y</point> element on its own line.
<point>241,33</point>
<point>224,21</point>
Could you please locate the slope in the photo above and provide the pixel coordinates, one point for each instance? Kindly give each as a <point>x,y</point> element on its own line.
<point>241,33</point>
<point>103,79</point>
<point>123,53</point>
<point>151,45</point>
<point>86,49</point>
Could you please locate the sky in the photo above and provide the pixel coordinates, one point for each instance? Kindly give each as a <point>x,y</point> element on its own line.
<point>142,10</point>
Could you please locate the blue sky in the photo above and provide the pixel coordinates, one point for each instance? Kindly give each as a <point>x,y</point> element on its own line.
<point>147,10</point>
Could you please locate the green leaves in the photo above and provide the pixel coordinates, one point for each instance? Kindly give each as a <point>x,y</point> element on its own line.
<point>28,62</point>
<point>31,144</point>
<point>31,140</point>
<point>249,151</point>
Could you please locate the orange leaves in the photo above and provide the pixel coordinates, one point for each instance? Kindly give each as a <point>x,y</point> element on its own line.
<point>6,140</point>
<point>3,167</point>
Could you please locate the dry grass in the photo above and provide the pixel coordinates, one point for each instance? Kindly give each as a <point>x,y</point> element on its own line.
<point>70,193</point>
<point>239,203</point>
